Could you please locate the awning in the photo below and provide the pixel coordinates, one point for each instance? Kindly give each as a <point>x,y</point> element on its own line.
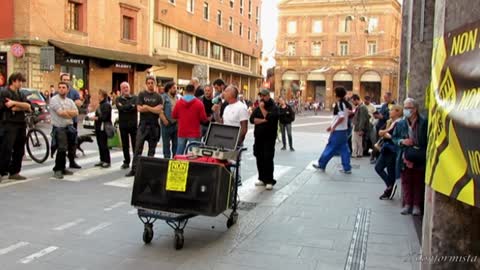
<point>316,75</point>
<point>112,55</point>
<point>290,76</point>
<point>342,76</point>
<point>370,76</point>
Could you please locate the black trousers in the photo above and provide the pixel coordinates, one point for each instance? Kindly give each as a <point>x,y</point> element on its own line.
<point>12,148</point>
<point>72,150</point>
<point>102,142</point>
<point>128,136</point>
<point>264,151</point>
<point>146,133</point>
<point>65,141</point>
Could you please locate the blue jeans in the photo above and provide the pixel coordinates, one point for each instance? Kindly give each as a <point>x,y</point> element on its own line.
<point>337,143</point>
<point>182,144</point>
<point>169,137</point>
<point>387,159</point>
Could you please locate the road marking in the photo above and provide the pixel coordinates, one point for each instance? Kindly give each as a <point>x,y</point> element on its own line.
<point>310,166</point>
<point>114,206</point>
<point>97,228</point>
<point>124,182</point>
<point>248,188</point>
<point>13,247</point>
<point>92,173</point>
<point>69,224</point>
<point>39,254</point>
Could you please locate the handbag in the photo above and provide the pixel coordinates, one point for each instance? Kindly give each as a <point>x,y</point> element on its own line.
<point>109,129</point>
<point>379,144</point>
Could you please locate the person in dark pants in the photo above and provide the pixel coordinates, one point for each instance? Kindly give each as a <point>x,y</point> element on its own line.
<point>13,105</point>
<point>126,104</point>
<point>75,96</point>
<point>286,117</point>
<point>62,110</point>
<point>265,119</point>
<point>103,117</point>
<point>382,116</point>
<point>207,100</point>
<point>169,125</point>
<point>150,106</point>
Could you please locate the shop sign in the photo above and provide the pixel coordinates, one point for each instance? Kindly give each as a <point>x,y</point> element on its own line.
<point>123,65</point>
<point>76,61</point>
<point>17,50</point>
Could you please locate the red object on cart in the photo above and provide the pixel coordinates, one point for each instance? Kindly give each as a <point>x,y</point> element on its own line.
<point>198,159</point>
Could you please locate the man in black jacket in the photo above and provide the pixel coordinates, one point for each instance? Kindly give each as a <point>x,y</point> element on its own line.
<point>286,117</point>
<point>265,118</point>
<point>128,122</point>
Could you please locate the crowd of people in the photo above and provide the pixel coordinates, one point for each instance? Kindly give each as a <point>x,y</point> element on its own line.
<point>396,136</point>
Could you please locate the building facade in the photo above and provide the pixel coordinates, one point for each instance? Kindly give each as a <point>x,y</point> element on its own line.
<point>323,44</point>
<point>102,43</point>
<point>209,40</point>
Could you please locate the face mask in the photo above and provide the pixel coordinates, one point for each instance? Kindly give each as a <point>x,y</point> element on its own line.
<point>407,113</point>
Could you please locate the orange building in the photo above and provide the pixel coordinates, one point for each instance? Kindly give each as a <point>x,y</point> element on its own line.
<point>323,44</point>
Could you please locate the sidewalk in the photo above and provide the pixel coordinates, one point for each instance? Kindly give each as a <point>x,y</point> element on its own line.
<point>309,223</point>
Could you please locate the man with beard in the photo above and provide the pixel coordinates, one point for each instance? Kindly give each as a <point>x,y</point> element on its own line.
<point>207,101</point>
<point>169,125</point>
<point>127,115</point>
<point>265,119</point>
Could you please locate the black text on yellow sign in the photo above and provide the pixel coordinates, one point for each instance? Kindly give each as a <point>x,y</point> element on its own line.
<point>177,175</point>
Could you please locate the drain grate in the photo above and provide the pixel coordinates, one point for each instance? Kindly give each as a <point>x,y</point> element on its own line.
<point>357,254</point>
<point>246,206</point>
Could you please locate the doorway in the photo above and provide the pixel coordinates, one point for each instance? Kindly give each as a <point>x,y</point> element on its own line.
<point>372,89</point>
<point>117,79</point>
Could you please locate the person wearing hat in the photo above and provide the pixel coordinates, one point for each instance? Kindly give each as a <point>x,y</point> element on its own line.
<point>265,119</point>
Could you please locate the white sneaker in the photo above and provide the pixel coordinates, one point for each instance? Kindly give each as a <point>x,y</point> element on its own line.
<point>259,183</point>
<point>269,187</point>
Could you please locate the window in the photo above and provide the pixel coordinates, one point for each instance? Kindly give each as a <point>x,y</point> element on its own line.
<point>257,19</point>
<point>292,27</point>
<point>241,7</point>
<point>345,24</point>
<point>215,51</point>
<point>127,28</point>
<point>230,24</point>
<point>249,9</point>
<point>231,3</point>
<point>246,60</point>
<point>343,49</point>
<point>219,18</point>
<point>249,34</point>
<point>73,22</point>
<point>171,2</point>
<point>317,26</point>
<point>227,55</point>
<point>185,42</point>
<point>240,29</point>
<point>316,48</point>
<point>372,25</point>
<point>205,11</point>
<point>237,58</point>
<point>165,36</point>
<point>202,47</point>
<point>372,47</point>
<point>291,49</point>
<point>190,5</point>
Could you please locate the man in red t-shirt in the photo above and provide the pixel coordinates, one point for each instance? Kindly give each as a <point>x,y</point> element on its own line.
<point>190,113</point>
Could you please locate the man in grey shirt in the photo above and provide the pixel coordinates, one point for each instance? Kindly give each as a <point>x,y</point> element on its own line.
<point>62,110</point>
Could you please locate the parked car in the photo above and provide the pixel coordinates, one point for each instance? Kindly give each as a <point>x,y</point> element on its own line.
<point>89,123</point>
<point>38,101</point>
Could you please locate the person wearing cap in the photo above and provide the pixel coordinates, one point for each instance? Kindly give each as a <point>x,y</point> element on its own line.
<point>265,119</point>
<point>13,127</point>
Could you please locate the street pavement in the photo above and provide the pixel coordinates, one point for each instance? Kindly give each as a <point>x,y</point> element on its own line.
<point>311,220</point>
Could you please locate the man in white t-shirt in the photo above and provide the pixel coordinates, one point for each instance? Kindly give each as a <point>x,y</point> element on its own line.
<point>235,114</point>
<point>338,140</point>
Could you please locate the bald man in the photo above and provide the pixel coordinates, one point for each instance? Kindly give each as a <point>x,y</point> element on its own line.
<point>127,111</point>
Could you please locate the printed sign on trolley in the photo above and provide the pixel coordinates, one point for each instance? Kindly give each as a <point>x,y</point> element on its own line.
<point>177,175</point>
<point>453,153</point>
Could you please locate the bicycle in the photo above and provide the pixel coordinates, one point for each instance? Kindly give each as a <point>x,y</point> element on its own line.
<point>36,139</point>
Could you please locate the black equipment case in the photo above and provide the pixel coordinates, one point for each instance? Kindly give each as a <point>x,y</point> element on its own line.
<point>220,142</point>
<point>209,188</point>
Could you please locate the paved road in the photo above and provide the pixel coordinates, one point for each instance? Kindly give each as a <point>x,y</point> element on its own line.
<point>85,221</point>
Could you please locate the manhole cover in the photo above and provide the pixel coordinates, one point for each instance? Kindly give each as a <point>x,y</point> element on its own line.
<point>246,206</point>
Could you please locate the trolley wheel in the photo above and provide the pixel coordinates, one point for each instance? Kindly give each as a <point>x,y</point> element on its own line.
<point>232,220</point>
<point>148,233</point>
<point>179,240</point>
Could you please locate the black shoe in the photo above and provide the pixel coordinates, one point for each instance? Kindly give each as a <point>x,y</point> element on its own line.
<point>74,165</point>
<point>291,149</point>
<point>386,194</point>
<point>105,165</point>
<point>58,174</point>
<point>130,174</point>
<point>98,164</point>
<point>67,172</point>
<point>17,177</point>
<point>125,166</point>
<point>283,148</point>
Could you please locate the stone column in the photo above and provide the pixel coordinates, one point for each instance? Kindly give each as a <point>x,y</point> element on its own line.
<point>386,85</point>
<point>278,81</point>
<point>329,97</point>
<point>356,82</point>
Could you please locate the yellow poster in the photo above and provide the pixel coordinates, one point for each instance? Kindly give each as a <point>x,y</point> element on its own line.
<point>177,175</point>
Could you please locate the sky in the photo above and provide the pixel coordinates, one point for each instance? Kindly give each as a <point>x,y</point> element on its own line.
<point>269,29</point>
